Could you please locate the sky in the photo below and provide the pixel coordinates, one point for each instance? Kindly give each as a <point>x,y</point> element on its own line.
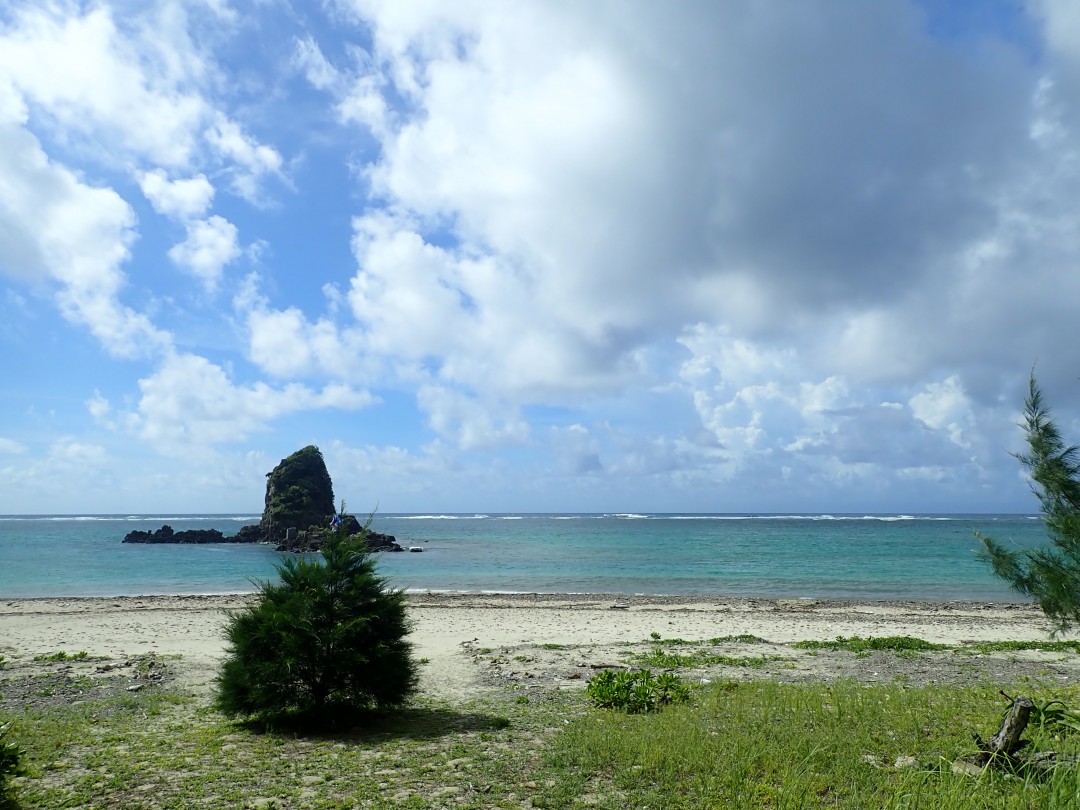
<point>557,256</point>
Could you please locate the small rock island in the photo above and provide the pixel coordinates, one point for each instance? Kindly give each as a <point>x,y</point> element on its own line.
<point>298,508</point>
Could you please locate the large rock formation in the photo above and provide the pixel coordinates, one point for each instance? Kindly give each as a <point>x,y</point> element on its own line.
<point>299,505</point>
<point>299,495</point>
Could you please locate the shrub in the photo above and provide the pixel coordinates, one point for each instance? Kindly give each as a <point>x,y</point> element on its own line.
<point>328,637</point>
<point>10,765</point>
<point>636,692</point>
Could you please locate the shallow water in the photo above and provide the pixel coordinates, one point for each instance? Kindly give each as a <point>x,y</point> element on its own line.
<point>919,557</point>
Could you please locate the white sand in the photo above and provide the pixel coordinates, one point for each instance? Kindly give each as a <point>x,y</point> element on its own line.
<point>191,626</point>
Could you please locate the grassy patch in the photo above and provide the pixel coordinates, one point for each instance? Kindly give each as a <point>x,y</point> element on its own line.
<point>162,750</point>
<point>738,745</point>
<point>873,643</point>
<point>1017,646</point>
<point>775,745</point>
<point>60,655</point>
<point>743,638</point>
<point>662,659</point>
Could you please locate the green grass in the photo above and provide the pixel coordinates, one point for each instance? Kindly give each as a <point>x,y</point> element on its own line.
<point>658,657</point>
<point>744,638</point>
<point>60,655</point>
<point>873,643</point>
<point>1016,646</point>
<point>734,745</point>
<point>795,746</point>
<point>165,751</point>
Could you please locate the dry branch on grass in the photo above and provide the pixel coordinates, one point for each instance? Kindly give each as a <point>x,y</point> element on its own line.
<point>1005,750</point>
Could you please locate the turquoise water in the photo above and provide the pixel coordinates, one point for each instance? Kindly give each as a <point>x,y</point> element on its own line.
<point>917,557</point>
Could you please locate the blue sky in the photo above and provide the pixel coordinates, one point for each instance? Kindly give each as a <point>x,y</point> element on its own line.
<point>542,256</point>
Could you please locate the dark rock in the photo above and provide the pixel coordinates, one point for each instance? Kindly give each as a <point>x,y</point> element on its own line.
<point>166,535</point>
<point>250,534</point>
<point>313,539</point>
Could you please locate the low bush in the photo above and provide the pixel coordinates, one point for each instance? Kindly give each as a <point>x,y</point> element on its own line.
<point>11,754</point>
<point>636,691</point>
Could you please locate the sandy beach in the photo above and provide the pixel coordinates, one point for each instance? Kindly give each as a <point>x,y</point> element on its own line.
<point>461,636</point>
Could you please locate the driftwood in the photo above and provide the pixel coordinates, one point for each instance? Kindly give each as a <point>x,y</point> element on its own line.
<point>1004,750</point>
<point>1007,740</point>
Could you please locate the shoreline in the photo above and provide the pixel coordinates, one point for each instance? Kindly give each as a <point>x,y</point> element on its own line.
<point>552,596</point>
<point>448,629</point>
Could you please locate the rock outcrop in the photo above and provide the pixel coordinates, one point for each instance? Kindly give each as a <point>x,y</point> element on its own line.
<point>299,505</point>
<point>166,535</point>
<point>299,495</point>
<point>313,539</point>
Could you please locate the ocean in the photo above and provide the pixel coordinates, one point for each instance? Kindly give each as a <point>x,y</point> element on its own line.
<point>861,557</point>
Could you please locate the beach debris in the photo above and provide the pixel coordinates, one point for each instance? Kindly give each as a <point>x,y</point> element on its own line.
<point>620,606</point>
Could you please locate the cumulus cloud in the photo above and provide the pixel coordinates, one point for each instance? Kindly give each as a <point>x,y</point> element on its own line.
<point>286,344</point>
<point>190,403</point>
<point>945,406</point>
<point>58,228</point>
<point>596,211</point>
<point>182,199</point>
<point>209,246</point>
<point>564,206</point>
<point>468,423</point>
<point>682,245</point>
<point>98,83</point>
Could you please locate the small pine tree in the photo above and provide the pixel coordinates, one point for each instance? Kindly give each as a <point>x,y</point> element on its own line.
<point>329,636</point>
<point>1050,575</point>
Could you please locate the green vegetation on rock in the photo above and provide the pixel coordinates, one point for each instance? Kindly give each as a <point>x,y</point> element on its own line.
<point>299,494</point>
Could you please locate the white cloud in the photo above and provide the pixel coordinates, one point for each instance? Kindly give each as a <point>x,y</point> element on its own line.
<point>98,82</point>
<point>99,407</point>
<point>190,403</point>
<point>10,447</point>
<point>286,344</point>
<point>56,227</point>
<point>726,242</point>
<point>945,406</point>
<point>209,246</point>
<point>68,450</point>
<point>183,199</point>
<point>471,425</point>
<point>596,212</point>
<point>309,59</point>
<point>364,104</point>
<point>254,161</point>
